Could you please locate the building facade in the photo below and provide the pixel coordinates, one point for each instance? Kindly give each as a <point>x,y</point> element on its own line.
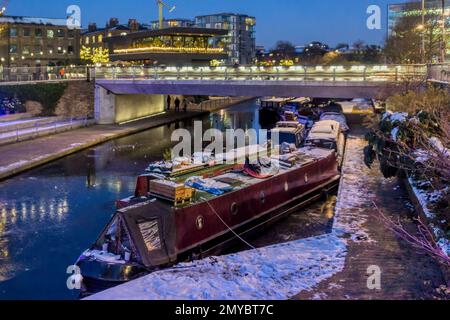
<point>172,23</point>
<point>240,40</point>
<point>433,10</point>
<point>169,46</point>
<point>93,37</point>
<point>29,45</point>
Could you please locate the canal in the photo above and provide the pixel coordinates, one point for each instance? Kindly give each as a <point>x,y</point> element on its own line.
<point>49,215</point>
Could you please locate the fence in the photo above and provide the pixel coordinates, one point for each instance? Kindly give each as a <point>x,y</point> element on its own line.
<point>32,74</point>
<point>298,73</point>
<point>439,73</point>
<point>38,129</point>
<point>372,73</point>
<point>214,104</point>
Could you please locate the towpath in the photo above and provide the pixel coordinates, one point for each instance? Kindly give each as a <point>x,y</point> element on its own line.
<point>406,272</point>
<point>18,157</point>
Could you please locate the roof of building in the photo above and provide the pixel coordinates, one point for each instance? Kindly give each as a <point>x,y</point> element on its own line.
<point>175,19</point>
<point>34,20</point>
<point>178,31</point>
<point>225,14</point>
<point>120,27</point>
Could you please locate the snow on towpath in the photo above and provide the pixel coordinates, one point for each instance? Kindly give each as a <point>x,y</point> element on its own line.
<point>276,272</point>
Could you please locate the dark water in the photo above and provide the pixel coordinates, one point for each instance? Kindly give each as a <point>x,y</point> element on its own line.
<point>49,215</point>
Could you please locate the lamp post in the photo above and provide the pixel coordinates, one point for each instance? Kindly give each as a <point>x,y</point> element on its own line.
<point>423,32</point>
<point>444,40</point>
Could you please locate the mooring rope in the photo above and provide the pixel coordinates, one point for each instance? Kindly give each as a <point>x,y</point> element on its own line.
<point>226,225</point>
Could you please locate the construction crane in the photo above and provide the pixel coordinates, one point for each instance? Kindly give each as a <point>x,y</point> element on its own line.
<point>3,5</point>
<point>161,6</point>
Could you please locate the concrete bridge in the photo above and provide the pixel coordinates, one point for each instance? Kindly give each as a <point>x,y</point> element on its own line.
<point>124,93</point>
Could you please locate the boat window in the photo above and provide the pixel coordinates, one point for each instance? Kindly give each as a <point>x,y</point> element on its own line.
<point>150,233</point>
<point>234,208</point>
<point>287,137</point>
<point>262,197</point>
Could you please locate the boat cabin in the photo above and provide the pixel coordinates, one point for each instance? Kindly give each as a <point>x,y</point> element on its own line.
<point>290,132</point>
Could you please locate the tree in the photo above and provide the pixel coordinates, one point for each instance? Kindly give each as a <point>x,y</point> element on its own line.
<point>94,55</point>
<point>404,45</point>
<point>284,49</point>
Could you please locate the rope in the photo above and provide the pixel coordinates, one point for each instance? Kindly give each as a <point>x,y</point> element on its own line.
<point>226,225</point>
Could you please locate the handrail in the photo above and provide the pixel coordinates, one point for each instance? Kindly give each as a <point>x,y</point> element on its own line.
<point>365,73</point>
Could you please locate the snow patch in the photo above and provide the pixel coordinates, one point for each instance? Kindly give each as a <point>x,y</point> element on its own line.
<point>276,272</point>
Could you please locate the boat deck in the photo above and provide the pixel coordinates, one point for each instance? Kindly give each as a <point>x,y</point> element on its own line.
<point>239,180</point>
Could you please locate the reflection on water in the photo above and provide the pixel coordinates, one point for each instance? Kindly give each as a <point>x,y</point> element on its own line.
<point>49,215</point>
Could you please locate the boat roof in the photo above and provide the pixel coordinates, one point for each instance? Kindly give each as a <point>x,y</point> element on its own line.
<point>300,100</point>
<point>325,129</point>
<point>275,99</point>
<point>304,156</point>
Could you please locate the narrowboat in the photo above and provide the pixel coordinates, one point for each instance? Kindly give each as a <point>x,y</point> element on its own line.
<point>205,207</point>
<point>269,110</point>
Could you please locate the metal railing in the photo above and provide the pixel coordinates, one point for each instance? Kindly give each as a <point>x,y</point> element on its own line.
<point>380,73</point>
<point>33,74</point>
<point>370,73</point>
<point>439,73</point>
<point>214,104</point>
<point>37,129</point>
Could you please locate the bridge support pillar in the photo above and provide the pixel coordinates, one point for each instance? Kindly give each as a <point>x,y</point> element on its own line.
<point>111,108</point>
<point>104,106</point>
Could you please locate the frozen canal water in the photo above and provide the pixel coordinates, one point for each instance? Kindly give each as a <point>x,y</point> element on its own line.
<point>49,215</point>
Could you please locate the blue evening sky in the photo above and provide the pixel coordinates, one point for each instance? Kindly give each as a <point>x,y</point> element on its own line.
<point>299,21</point>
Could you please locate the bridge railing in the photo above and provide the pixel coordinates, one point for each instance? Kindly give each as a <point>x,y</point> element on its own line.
<point>32,74</point>
<point>372,73</point>
<point>439,73</point>
<point>381,73</point>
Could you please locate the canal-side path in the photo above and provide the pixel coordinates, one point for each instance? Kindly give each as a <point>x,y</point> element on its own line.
<point>334,265</point>
<point>406,272</point>
<point>22,156</point>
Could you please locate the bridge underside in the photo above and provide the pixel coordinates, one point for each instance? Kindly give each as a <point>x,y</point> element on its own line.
<point>279,88</point>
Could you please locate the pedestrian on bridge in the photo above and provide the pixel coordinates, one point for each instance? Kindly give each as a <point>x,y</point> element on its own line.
<point>169,100</point>
<point>62,73</point>
<point>177,104</point>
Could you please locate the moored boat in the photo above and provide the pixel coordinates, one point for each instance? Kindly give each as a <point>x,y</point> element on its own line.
<point>199,213</point>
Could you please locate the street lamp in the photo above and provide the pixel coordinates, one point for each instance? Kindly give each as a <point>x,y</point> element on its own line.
<point>422,28</point>
<point>444,41</point>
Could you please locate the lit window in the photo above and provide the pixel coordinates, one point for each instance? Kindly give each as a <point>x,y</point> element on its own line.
<point>93,39</point>
<point>50,34</point>
<point>13,48</point>
<point>100,38</point>
<point>86,41</point>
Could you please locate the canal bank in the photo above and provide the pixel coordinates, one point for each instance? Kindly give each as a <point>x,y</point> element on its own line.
<point>22,156</point>
<point>50,214</point>
<point>406,273</point>
<point>331,265</point>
